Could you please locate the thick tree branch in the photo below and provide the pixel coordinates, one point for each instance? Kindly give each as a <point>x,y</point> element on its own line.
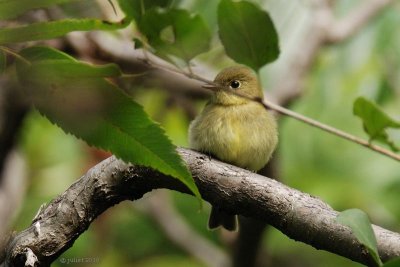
<point>298,215</point>
<point>247,250</point>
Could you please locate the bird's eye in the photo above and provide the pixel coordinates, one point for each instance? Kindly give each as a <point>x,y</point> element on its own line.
<point>234,84</point>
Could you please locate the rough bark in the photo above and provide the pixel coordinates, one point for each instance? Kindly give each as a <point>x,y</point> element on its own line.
<point>300,216</point>
<point>247,250</point>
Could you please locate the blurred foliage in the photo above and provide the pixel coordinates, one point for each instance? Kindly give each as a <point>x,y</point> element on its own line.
<point>341,173</point>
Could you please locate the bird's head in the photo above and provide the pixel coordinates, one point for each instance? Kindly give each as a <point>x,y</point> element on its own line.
<point>238,78</point>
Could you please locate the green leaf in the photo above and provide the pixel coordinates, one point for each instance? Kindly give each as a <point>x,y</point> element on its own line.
<point>78,98</point>
<point>361,227</point>
<point>54,29</point>
<point>175,32</point>
<point>375,121</point>
<point>247,33</point>
<point>3,61</point>
<point>135,9</point>
<point>392,263</point>
<point>13,8</point>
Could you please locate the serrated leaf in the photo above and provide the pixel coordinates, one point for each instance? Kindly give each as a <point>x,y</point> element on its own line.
<point>135,9</point>
<point>175,32</point>
<point>96,111</point>
<point>392,263</point>
<point>361,227</point>
<point>54,29</point>
<point>3,61</point>
<point>247,33</point>
<point>13,8</point>
<point>375,121</point>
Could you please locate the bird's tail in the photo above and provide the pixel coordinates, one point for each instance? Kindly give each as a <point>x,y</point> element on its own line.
<point>220,218</point>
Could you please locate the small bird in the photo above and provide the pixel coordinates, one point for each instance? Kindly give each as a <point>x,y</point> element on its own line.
<point>234,129</point>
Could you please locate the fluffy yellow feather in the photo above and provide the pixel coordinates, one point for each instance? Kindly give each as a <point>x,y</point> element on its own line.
<point>234,129</point>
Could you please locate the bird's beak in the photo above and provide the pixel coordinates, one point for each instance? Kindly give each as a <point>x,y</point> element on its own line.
<point>210,87</point>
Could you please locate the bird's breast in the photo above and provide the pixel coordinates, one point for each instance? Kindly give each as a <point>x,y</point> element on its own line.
<point>242,135</point>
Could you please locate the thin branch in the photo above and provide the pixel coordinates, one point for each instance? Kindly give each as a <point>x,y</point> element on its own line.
<point>120,51</point>
<point>171,68</point>
<point>298,215</point>
<point>331,130</point>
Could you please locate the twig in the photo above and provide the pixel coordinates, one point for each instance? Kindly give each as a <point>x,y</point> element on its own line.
<point>171,68</point>
<point>331,130</point>
<point>269,105</point>
<point>298,215</point>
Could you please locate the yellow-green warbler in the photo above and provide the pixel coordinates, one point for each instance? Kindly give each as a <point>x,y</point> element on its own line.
<point>234,129</point>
